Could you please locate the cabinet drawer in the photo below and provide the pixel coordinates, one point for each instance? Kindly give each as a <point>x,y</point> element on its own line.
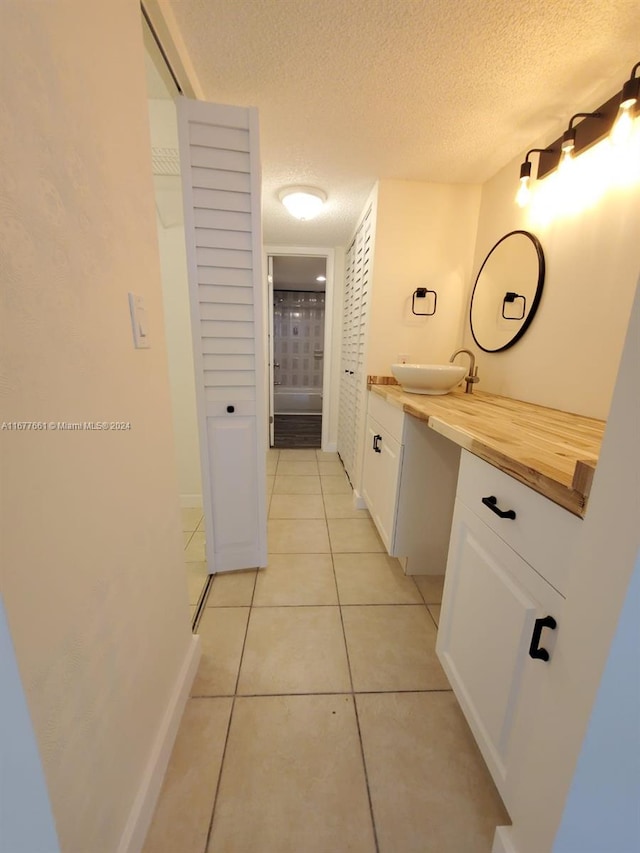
<point>542,533</point>
<point>389,417</point>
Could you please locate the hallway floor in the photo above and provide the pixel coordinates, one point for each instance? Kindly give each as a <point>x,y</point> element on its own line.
<point>297,431</point>
<point>320,720</point>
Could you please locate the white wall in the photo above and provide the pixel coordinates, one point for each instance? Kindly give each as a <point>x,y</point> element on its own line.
<point>602,809</point>
<point>93,572</point>
<point>569,356</point>
<point>26,821</point>
<point>601,571</point>
<point>425,234</point>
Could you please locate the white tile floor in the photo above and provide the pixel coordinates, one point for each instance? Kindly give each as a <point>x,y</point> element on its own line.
<point>196,567</point>
<point>320,719</point>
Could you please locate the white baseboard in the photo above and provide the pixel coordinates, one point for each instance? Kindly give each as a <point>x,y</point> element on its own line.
<point>502,841</point>
<point>358,501</point>
<point>187,501</point>
<point>144,804</point>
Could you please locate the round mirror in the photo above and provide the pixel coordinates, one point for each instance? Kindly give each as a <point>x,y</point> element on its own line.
<point>507,291</point>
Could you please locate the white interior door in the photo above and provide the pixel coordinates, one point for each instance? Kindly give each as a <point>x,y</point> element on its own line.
<point>219,156</point>
<point>272,417</point>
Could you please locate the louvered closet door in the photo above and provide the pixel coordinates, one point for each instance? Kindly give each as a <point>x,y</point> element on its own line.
<point>360,340</point>
<point>345,412</point>
<point>219,159</point>
<point>351,419</point>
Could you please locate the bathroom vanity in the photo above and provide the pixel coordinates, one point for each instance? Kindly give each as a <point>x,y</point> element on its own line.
<point>509,483</point>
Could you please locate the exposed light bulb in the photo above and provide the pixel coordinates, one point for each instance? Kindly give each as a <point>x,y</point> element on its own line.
<point>567,149</point>
<point>623,125</point>
<point>566,160</point>
<point>524,192</point>
<point>321,278</point>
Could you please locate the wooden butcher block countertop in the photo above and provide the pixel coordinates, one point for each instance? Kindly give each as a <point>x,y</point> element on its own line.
<point>553,452</point>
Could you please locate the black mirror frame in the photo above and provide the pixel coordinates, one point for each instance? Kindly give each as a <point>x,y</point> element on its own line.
<point>536,298</point>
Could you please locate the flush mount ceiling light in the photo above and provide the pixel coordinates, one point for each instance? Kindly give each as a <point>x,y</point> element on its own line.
<point>302,202</point>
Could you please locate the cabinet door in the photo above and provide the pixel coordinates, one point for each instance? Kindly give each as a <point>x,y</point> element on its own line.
<point>380,479</point>
<point>490,603</point>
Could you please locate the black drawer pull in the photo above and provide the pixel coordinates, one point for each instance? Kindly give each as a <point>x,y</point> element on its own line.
<point>231,409</point>
<point>492,503</point>
<point>376,439</point>
<point>534,649</point>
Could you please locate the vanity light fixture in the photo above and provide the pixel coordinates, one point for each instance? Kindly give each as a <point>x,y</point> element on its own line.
<point>524,192</point>
<point>613,117</point>
<point>303,202</point>
<point>629,97</point>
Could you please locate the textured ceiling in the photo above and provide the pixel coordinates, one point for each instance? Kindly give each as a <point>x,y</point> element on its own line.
<point>356,90</point>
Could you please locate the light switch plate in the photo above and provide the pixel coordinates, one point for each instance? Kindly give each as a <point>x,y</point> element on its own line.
<point>139,322</point>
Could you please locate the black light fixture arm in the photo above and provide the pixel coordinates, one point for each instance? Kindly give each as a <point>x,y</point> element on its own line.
<point>631,89</point>
<point>525,168</point>
<point>583,115</point>
<point>569,136</point>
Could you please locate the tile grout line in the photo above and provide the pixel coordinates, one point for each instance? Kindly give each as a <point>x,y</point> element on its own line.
<point>432,617</point>
<point>233,705</point>
<point>353,698</point>
<point>325,693</point>
<point>324,554</point>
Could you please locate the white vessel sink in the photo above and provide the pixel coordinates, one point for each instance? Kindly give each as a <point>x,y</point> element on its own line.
<point>428,378</point>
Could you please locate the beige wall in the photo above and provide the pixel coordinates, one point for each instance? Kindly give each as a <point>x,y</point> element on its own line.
<point>93,574</point>
<point>569,356</point>
<point>425,235</point>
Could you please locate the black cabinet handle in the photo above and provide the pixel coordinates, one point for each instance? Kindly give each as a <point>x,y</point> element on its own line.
<point>231,409</point>
<point>376,439</point>
<point>492,503</point>
<point>534,649</point>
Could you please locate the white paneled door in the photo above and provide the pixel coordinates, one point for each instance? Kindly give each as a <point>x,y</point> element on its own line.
<point>219,158</point>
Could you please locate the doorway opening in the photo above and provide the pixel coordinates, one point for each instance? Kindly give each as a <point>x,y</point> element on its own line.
<point>163,123</point>
<point>298,340</point>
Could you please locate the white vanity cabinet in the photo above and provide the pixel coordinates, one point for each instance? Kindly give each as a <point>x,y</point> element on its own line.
<point>499,608</point>
<point>408,483</point>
